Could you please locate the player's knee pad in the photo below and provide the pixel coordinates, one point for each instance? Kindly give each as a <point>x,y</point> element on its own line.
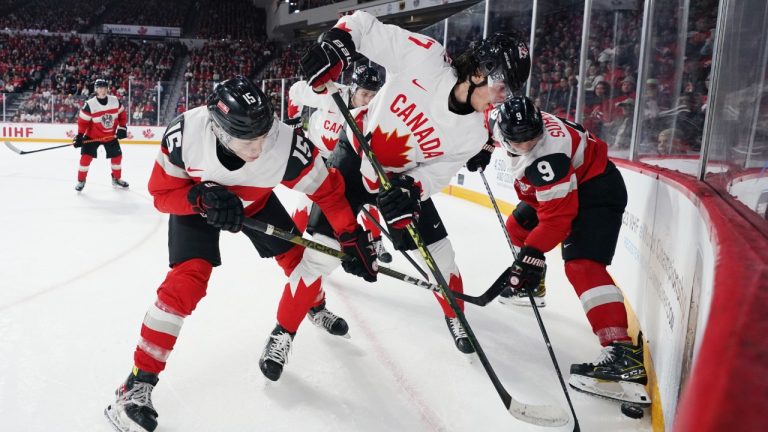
<point>445,257</point>
<point>585,273</point>
<point>314,263</point>
<point>289,260</point>
<point>185,285</point>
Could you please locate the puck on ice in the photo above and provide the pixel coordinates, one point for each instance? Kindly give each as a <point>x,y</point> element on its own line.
<point>632,410</point>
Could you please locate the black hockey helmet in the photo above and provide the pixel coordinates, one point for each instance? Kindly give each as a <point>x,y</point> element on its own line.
<point>503,57</point>
<point>101,82</point>
<point>241,109</point>
<point>519,120</point>
<point>366,77</point>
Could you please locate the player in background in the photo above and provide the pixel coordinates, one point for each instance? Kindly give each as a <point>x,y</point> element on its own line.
<point>102,120</point>
<point>571,194</point>
<point>217,165</point>
<point>425,122</point>
<point>325,125</point>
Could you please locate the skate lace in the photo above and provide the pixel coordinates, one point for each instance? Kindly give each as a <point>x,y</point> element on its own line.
<point>279,347</point>
<point>140,394</point>
<point>456,328</point>
<point>606,356</point>
<point>324,318</point>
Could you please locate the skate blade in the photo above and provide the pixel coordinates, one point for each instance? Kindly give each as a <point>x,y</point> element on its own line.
<point>346,336</point>
<point>540,302</point>
<point>622,391</point>
<point>117,423</point>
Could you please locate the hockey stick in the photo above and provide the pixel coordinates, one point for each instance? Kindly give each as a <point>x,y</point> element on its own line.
<point>274,231</point>
<point>405,254</point>
<point>533,305</point>
<point>23,152</point>
<point>542,415</point>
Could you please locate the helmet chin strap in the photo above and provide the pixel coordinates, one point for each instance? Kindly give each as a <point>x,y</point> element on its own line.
<point>466,107</point>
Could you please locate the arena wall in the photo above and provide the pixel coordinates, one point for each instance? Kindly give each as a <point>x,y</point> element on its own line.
<point>54,133</point>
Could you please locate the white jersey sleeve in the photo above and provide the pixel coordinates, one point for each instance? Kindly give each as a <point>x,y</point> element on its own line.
<point>392,47</point>
<point>301,94</point>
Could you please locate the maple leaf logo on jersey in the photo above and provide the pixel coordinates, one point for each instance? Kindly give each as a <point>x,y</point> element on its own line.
<point>292,109</point>
<point>391,148</point>
<point>329,143</point>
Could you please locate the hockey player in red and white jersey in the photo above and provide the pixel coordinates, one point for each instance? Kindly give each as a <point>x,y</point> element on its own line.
<point>425,122</point>
<point>101,121</point>
<point>571,195</point>
<point>217,165</point>
<point>324,129</point>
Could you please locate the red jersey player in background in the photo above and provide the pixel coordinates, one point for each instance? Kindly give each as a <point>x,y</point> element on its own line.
<point>324,129</point>
<point>217,165</point>
<point>102,121</point>
<point>571,194</point>
<point>425,123</point>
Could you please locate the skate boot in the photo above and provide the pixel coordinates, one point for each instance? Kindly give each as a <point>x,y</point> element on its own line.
<point>275,353</point>
<point>510,296</point>
<point>459,335</point>
<point>80,185</point>
<point>382,253</point>
<point>119,183</point>
<point>619,373</point>
<point>329,321</point>
<point>133,410</point>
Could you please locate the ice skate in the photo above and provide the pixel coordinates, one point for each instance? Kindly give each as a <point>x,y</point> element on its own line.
<point>133,410</point>
<point>329,321</point>
<point>619,373</point>
<point>459,336</point>
<point>275,353</point>
<point>519,297</point>
<point>382,253</point>
<point>119,183</point>
<point>80,185</point>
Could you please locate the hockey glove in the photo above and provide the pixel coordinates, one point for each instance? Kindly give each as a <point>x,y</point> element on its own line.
<point>220,207</point>
<point>77,141</point>
<point>122,133</point>
<point>400,204</point>
<point>361,255</point>
<point>482,159</point>
<point>527,270</point>
<point>296,124</point>
<point>325,60</point>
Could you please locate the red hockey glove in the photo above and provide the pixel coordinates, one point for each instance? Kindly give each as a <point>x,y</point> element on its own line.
<point>325,60</point>
<point>361,255</point>
<point>528,269</point>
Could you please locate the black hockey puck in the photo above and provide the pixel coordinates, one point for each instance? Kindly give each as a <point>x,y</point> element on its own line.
<point>632,410</point>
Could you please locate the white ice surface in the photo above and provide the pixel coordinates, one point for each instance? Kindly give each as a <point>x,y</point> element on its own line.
<point>78,272</point>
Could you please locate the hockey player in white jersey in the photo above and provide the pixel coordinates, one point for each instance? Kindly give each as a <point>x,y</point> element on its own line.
<point>324,129</point>
<point>217,165</point>
<point>424,124</point>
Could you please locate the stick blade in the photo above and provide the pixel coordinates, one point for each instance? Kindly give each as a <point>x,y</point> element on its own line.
<point>12,147</point>
<point>540,415</point>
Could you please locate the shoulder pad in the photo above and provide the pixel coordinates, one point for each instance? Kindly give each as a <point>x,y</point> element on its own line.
<point>302,155</point>
<point>172,139</point>
<point>548,169</point>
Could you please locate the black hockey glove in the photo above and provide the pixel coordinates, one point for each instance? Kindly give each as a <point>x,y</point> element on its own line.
<point>325,60</point>
<point>482,159</point>
<point>121,133</point>
<point>296,124</point>
<point>527,270</point>
<point>361,255</point>
<point>400,204</point>
<point>220,207</point>
<point>77,141</point>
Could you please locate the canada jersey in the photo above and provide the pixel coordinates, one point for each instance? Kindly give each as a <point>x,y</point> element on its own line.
<point>412,130</point>
<point>326,122</point>
<point>188,155</point>
<point>100,120</point>
<point>548,176</point>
